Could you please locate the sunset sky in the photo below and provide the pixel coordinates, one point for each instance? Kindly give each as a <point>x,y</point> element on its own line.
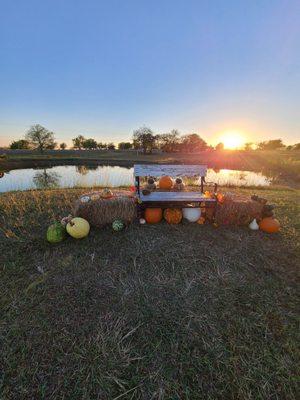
<point>104,68</point>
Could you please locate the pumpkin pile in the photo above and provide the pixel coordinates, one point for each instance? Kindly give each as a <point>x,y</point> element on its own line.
<point>172,215</point>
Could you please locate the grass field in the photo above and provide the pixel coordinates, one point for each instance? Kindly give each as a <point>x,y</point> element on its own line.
<point>153,312</point>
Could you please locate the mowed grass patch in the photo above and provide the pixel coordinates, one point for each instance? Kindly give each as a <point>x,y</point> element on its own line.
<point>153,312</point>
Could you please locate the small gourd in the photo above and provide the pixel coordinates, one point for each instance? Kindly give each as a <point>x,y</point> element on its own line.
<point>254,225</point>
<point>118,225</point>
<point>178,185</point>
<point>150,185</point>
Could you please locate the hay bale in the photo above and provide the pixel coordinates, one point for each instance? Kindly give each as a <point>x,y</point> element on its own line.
<point>237,210</point>
<point>100,212</point>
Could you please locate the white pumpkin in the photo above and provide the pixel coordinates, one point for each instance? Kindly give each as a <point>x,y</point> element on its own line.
<point>191,214</point>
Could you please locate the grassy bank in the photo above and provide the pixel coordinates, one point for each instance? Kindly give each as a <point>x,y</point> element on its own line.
<point>282,165</point>
<point>154,312</point>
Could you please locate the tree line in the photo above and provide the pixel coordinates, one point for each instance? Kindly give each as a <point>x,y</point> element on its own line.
<point>144,139</point>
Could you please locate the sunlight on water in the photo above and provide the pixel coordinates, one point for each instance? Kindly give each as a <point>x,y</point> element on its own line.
<point>88,176</point>
<point>229,177</point>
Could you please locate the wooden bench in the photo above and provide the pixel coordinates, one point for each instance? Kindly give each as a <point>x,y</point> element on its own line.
<point>165,199</point>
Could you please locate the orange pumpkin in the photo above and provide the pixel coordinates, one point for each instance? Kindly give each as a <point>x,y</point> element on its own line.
<point>165,182</point>
<point>269,225</point>
<point>153,215</point>
<point>220,198</point>
<point>173,215</point>
<point>209,195</point>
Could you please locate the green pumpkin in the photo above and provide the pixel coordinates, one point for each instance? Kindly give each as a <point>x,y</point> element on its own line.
<point>56,233</point>
<point>118,225</point>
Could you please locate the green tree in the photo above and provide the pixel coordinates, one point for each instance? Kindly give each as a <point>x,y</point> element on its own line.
<point>248,146</point>
<point>89,144</point>
<point>111,146</point>
<point>220,146</point>
<point>124,146</point>
<point>144,138</point>
<point>101,146</point>
<point>19,144</point>
<point>296,146</point>
<point>78,142</point>
<point>40,138</point>
<point>63,146</point>
<point>271,145</point>
<point>168,142</point>
<point>193,143</point>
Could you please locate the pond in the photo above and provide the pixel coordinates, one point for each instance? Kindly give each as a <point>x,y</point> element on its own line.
<point>69,176</point>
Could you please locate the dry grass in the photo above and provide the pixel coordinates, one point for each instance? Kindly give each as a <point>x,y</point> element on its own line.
<point>154,312</point>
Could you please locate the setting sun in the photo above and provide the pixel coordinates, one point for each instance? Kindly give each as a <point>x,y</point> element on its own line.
<point>232,139</point>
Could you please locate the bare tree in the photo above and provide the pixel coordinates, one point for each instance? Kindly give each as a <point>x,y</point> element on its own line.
<point>40,138</point>
<point>144,138</point>
<point>169,142</point>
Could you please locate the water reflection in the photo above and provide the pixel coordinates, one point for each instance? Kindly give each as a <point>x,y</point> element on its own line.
<point>88,176</point>
<point>84,169</point>
<point>46,179</point>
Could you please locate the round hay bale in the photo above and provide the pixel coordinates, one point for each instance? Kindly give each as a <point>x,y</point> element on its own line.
<point>100,212</point>
<point>237,210</point>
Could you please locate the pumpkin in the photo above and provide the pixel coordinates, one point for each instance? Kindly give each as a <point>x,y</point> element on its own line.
<point>118,225</point>
<point>208,195</point>
<point>165,182</point>
<point>269,225</point>
<point>153,215</point>
<point>78,228</point>
<point>56,233</point>
<point>173,215</point>
<point>191,214</point>
<point>220,198</point>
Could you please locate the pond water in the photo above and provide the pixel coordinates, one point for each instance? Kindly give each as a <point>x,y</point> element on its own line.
<point>69,176</point>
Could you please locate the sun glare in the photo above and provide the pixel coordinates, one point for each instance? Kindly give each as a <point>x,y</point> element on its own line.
<point>232,139</point>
